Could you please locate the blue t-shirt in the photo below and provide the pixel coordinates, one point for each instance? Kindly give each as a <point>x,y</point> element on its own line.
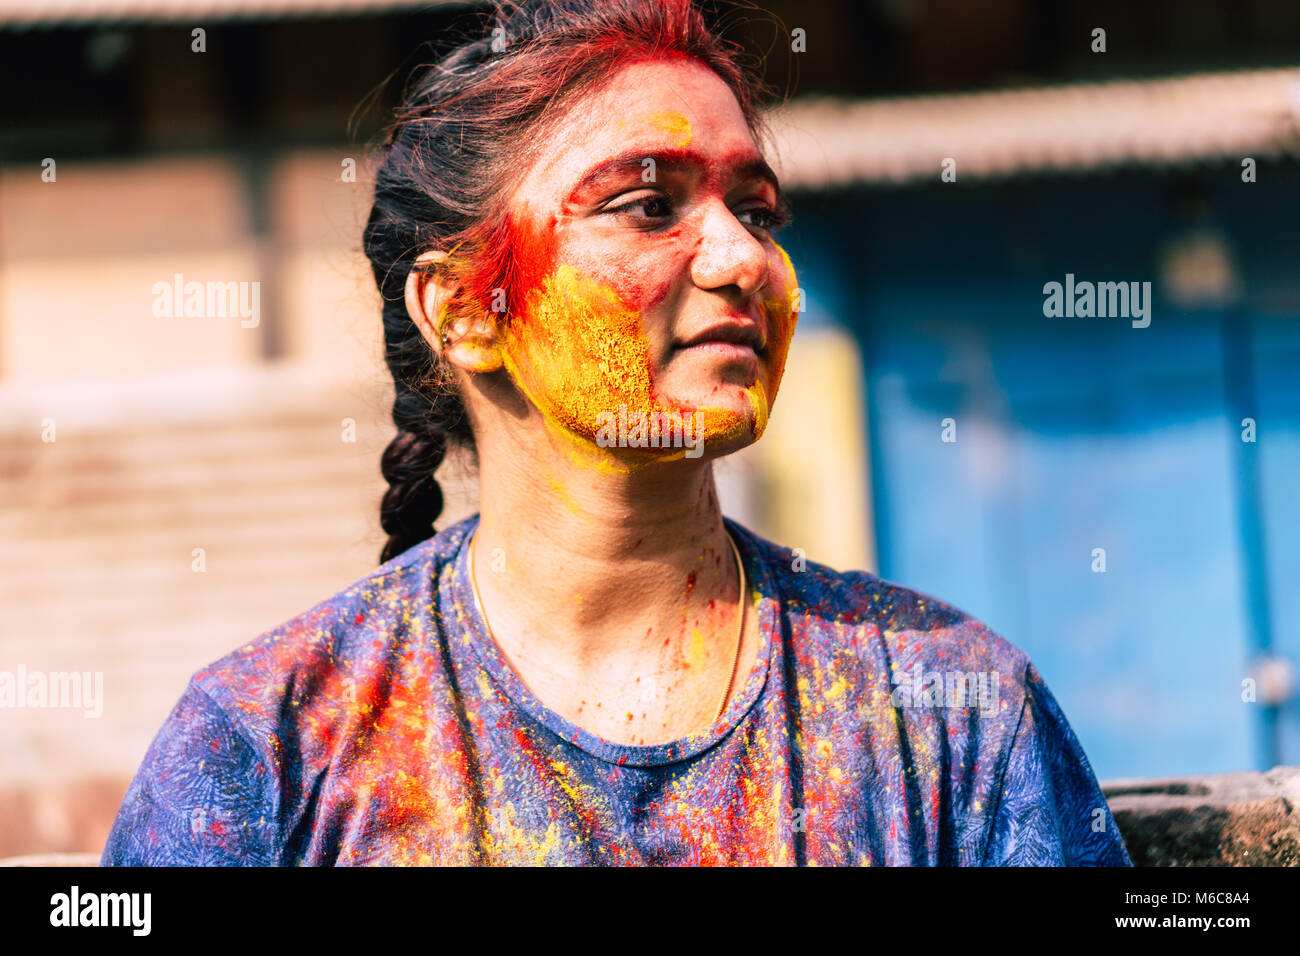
<point>878,726</point>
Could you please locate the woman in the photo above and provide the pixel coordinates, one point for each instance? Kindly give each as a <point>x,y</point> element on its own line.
<point>572,232</point>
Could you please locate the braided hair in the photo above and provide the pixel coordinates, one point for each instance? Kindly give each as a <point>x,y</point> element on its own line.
<point>447,161</point>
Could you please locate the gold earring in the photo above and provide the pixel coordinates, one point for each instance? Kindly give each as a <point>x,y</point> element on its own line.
<point>443,336</point>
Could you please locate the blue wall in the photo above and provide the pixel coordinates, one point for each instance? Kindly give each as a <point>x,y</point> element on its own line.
<point>1083,433</point>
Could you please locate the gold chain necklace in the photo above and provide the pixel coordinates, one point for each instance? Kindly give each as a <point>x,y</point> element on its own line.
<point>740,614</point>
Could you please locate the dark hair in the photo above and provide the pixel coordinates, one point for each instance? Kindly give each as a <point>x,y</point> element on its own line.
<point>447,159</point>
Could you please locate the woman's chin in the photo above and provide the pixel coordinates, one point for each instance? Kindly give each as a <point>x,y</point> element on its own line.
<point>679,427</point>
<point>727,416</point>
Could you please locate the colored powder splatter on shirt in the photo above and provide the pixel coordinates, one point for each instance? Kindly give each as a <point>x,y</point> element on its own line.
<point>383,726</point>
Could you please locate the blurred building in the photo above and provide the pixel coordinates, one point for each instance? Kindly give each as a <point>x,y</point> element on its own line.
<point>174,486</point>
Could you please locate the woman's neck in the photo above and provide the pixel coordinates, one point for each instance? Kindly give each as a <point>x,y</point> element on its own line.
<point>599,565</point>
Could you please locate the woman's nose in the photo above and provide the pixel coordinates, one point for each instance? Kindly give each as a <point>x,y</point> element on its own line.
<point>728,253</point>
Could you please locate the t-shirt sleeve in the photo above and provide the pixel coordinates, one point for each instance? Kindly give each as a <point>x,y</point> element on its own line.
<point>202,796</point>
<point>1050,810</point>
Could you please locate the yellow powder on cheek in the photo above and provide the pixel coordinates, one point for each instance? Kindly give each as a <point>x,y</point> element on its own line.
<point>579,353</point>
<point>784,317</point>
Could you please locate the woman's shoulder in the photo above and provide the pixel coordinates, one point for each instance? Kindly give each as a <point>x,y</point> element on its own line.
<point>324,648</point>
<point>862,609</point>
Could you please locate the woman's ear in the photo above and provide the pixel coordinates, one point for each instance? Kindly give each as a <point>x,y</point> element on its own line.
<point>427,296</point>
<point>468,345</point>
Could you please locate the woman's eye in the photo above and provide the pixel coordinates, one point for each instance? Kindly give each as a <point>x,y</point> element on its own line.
<point>647,207</point>
<point>761,217</point>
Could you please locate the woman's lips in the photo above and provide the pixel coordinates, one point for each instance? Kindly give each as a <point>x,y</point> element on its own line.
<point>739,335</point>
<point>728,351</point>
<point>734,342</point>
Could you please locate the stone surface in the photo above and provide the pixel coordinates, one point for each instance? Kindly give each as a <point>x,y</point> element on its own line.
<point>1229,819</point>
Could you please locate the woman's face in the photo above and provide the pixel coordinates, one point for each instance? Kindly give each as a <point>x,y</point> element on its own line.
<point>646,275</point>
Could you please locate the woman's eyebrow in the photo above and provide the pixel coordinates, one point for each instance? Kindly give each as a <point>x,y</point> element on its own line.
<point>749,166</point>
